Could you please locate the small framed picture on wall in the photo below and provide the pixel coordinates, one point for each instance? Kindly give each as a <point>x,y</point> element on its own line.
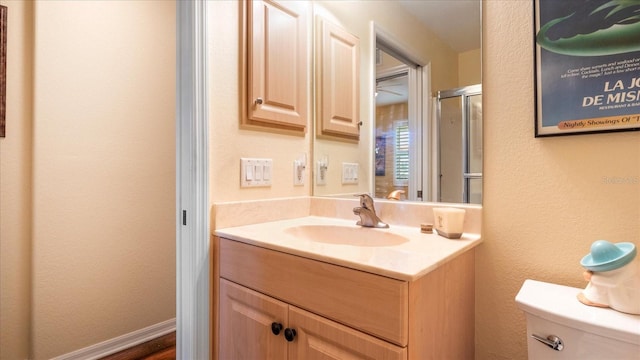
<point>381,150</point>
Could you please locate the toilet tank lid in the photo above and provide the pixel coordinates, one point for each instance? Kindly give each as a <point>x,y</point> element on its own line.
<point>559,304</point>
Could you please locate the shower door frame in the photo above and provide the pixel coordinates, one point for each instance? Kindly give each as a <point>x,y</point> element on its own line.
<point>464,93</point>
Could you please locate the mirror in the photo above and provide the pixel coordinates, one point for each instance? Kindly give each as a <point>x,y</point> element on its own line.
<point>420,102</point>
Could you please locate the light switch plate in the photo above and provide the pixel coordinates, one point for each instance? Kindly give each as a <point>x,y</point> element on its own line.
<point>255,172</point>
<point>350,173</point>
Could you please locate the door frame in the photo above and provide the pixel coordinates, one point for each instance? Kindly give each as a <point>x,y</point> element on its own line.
<point>420,104</point>
<point>192,182</point>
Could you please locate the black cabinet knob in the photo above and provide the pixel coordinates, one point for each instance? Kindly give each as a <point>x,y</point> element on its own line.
<point>276,328</point>
<point>289,334</point>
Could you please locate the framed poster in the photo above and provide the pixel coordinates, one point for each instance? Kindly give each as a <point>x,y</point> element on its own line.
<point>587,66</point>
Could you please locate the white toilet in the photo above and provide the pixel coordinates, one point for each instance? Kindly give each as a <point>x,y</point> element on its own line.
<point>560,327</point>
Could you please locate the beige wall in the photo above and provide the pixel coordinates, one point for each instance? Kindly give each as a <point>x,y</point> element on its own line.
<point>15,186</point>
<point>228,143</point>
<point>470,67</point>
<point>88,174</point>
<point>545,200</point>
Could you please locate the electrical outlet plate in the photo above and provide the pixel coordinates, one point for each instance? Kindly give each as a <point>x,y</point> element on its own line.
<point>255,172</point>
<point>350,173</point>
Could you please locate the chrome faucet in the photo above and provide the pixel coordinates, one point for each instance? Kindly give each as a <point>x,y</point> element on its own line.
<point>367,213</point>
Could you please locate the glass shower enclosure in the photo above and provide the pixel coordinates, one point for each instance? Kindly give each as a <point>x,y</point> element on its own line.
<point>459,123</point>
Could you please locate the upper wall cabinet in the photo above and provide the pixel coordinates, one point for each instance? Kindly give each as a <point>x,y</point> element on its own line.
<point>274,65</point>
<point>337,81</point>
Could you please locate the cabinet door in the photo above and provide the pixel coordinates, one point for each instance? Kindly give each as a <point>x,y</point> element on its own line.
<point>337,81</point>
<point>277,70</point>
<point>318,338</point>
<point>245,324</point>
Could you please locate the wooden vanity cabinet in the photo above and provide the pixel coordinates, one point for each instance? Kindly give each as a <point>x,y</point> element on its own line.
<point>336,312</point>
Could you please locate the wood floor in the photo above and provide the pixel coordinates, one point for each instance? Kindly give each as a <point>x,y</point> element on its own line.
<point>162,348</point>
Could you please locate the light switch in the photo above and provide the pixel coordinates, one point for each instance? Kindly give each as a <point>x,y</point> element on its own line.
<point>266,172</point>
<point>321,173</point>
<point>298,173</point>
<point>258,172</point>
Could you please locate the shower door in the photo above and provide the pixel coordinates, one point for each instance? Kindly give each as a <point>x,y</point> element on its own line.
<point>459,113</point>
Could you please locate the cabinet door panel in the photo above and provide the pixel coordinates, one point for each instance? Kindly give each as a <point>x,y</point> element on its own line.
<point>338,81</point>
<point>245,324</point>
<point>322,339</point>
<point>277,64</point>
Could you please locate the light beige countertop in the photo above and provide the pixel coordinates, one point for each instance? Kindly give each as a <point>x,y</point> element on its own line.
<point>399,252</point>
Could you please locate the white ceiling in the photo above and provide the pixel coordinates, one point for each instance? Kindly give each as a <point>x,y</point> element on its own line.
<point>456,22</point>
<point>392,91</point>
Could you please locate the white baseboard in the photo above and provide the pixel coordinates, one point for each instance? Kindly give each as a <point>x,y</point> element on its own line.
<point>122,342</point>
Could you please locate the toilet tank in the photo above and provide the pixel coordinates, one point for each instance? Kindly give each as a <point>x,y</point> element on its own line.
<point>586,332</point>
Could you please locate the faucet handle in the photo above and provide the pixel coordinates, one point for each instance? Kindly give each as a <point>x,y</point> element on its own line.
<point>366,201</point>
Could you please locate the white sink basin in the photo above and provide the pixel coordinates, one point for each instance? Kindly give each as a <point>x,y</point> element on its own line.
<point>346,235</point>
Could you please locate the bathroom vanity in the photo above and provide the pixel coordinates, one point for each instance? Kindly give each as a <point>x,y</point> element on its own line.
<point>318,288</point>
